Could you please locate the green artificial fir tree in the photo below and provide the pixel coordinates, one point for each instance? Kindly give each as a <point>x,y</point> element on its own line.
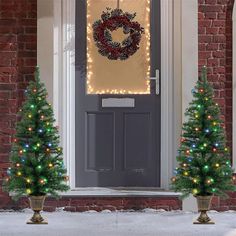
<point>36,158</point>
<point>204,161</point>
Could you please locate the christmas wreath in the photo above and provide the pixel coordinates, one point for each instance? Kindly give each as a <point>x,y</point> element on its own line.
<point>112,20</point>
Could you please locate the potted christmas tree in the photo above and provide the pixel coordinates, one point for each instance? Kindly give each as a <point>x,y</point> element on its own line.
<point>37,168</point>
<point>204,163</point>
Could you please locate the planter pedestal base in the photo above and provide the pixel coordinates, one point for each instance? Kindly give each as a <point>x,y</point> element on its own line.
<point>36,204</point>
<point>203,219</point>
<point>37,219</point>
<point>203,203</point>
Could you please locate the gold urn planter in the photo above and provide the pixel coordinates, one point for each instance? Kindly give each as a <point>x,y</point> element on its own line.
<point>36,204</point>
<point>203,203</point>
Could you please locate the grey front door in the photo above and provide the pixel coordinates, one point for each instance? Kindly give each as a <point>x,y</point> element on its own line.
<point>117,135</point>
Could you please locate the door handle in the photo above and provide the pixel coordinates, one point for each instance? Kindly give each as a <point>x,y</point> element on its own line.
<point>157,79</point>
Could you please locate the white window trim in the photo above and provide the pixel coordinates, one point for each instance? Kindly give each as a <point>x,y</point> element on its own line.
<point>179,71</point>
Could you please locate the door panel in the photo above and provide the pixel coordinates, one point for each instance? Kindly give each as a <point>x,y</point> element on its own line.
<point>116,145</point>
<point>136,141</point>
<point>100,141</point>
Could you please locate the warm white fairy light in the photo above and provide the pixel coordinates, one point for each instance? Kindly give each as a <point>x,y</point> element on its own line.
<point>148,37</point>
<point>90,89</point>
<point>89,58</point>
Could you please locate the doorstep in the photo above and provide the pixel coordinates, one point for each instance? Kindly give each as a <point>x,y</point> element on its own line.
<point>113,199</point>
<point>99,199</point>
<point>120,192</point>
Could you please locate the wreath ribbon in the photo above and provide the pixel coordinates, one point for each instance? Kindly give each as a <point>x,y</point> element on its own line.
<point>118,4</point>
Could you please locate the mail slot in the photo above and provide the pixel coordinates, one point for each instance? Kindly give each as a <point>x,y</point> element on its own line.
<point>118,102</point>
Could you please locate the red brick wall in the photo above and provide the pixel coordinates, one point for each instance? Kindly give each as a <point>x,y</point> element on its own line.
<point>215,51</point>
<point>18,46</point>
<point>80,204</point>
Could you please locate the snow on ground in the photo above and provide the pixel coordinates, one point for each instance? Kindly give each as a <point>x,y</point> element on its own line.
<point>149,222</point>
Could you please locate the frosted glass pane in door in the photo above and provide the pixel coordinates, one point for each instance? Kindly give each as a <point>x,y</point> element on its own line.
<point>130,76</point>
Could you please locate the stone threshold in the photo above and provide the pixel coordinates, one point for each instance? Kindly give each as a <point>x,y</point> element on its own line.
<point>120,192</point>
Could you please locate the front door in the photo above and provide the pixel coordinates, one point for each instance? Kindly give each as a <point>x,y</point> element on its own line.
<point>117,102</point>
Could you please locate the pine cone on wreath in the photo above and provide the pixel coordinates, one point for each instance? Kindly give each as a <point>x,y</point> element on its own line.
<point>105,16</point>
<point>107,35</point>
<point>102,52</point>
<point>126,30</point>
<point>96,24</point>
<point>114,44</point>
<point>130,16</point>
<point>124,57</point>
<point>127,42</point>
<point>116,12</point>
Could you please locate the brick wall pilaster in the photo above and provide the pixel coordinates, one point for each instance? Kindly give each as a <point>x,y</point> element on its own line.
<point>215,51</point>
<point>18,55</point>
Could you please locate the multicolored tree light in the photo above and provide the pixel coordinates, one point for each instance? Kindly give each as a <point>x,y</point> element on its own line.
<point>36,157</point>
<point>204,162</point>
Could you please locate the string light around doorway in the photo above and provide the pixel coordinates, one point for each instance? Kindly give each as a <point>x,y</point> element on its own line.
<point>90,88</point>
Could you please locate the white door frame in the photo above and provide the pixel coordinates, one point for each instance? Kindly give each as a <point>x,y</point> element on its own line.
<point>179,71</point>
